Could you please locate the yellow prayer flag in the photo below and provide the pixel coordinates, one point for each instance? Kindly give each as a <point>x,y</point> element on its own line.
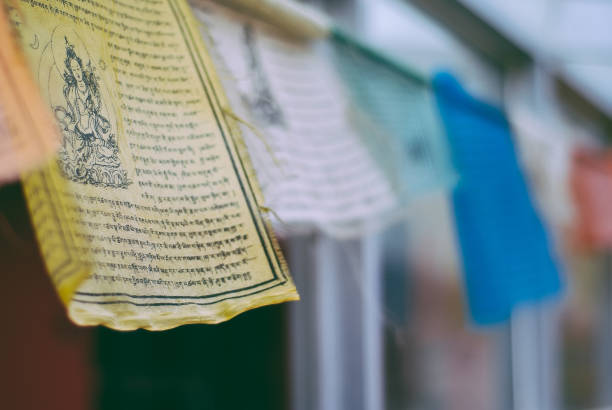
<point>150,216</point>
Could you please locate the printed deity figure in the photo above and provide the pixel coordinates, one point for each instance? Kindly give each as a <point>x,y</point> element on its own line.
<point>89,153</point>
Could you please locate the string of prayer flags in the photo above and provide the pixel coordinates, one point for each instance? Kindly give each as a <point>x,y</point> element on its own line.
<point>150,215</point>
<point>313,167</point>
<point>401,105</point>
<point>505,250</point>
<point>28,134</point>
<point>591,181</point>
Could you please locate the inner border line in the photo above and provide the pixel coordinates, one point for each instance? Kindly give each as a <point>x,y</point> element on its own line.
<point>247,199</point>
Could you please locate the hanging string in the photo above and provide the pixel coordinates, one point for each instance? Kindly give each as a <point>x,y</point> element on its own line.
<point>268,210</point>
<point>296,19</point>
<point>378,56</point>
<point>230,113</point>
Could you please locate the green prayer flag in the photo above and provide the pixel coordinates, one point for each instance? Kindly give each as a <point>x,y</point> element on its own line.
<point>397,115</point>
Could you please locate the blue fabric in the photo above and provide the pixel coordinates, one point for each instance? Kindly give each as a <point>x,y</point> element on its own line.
<point>505,250</point>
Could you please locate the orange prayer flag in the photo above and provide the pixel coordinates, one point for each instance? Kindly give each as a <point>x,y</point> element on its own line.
<point>28,133</point>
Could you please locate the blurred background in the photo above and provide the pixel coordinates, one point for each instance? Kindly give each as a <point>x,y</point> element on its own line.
<point>382,323</point>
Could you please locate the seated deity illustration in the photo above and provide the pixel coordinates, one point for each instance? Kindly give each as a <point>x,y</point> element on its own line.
<point>89,153</point>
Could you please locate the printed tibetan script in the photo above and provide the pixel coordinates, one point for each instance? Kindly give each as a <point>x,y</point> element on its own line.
<point>149,216</point>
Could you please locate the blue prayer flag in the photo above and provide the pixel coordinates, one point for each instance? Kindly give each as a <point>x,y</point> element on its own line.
<point>505,250</point>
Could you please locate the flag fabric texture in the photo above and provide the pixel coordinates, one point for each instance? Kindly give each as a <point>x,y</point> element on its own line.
<point>507,258</point>
<point>591,178</point>
<point>404,133</point>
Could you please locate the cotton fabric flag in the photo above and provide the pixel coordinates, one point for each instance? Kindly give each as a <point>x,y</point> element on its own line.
<point>299,19</point>
<point>314,169</point>
<point>592,189</point>
<point>506,253</point>
<point>405,134</point>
